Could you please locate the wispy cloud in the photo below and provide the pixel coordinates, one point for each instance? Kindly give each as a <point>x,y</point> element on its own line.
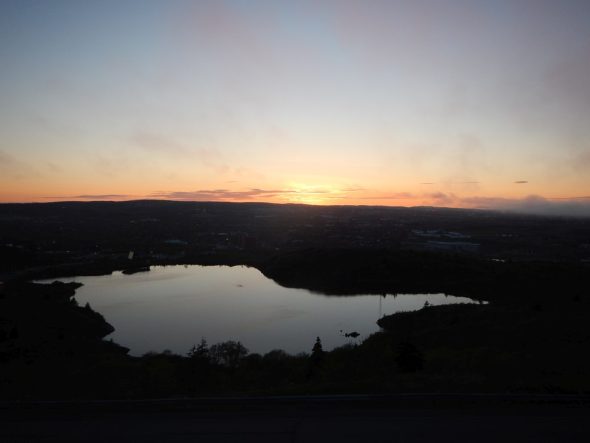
<point>298,194</point>
<point>533,204</point>
<point>442,199</point>
<point>160,144</point>
<point>580,161</point>
<point>15,169</point>
<point>90,197</point>
<point>352,189</point>
<point>391,196</point>
<point>468,182</point>
<point>53,168</point>
<point>157,143</point>
<point>222,194</point>
<point>583,197</point>
<point>110,165</point>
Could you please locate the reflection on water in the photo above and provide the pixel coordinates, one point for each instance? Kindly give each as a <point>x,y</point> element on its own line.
<point>174,307</point>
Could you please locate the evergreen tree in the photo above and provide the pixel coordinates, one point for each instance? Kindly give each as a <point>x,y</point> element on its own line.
<point>317,353</point>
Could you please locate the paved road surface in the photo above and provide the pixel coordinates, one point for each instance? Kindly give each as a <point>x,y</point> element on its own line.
<point>329,419</point>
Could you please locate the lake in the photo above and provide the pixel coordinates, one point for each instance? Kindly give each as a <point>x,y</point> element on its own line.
<point>173,307</point>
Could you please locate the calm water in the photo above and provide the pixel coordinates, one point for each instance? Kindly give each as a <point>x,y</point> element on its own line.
<point>173,307</point>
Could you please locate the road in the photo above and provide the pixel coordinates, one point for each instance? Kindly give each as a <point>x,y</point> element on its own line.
<point>302,419</point>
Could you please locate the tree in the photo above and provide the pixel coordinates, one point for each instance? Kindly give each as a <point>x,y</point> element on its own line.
<point>409,358</point>
<point>228,353</point>
<point>200,352</point>
<point>199,366</point>
<point>317,347</point>
<point>317,353</point>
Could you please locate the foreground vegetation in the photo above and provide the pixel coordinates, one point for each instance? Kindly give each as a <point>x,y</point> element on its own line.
<point>531,337</point>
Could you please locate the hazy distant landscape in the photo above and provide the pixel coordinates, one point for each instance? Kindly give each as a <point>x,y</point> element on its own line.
<point>76,233</point>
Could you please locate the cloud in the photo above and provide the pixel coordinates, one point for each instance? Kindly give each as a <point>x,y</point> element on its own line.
<point>109,165</point>
<point>256,194</point>
<point>391,196</point>
<point>53,168</point>
<point>521,182</point>
<point>312,191</point>
<point>581,161</point>
<point>162,145</point>
<point>442,199</point>
<point>90,197</point>
<point>353,189</point>
<point>240,43</point>
<point>222,194</point>
<point>15,169</point>
<point>533,204</point>
<point>157,143</point>
<point>6,159</point>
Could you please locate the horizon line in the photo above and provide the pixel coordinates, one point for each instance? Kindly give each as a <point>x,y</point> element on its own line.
<point>515,211</point>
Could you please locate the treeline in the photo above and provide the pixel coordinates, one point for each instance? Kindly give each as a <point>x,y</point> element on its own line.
<point>51,348</point>
<point>82,234</point>
<point>533,336</point>
<point>453,348</point>
<point>357,271</point>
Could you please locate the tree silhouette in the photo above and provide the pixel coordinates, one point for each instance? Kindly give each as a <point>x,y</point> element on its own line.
<point>199,366</point>
<point>316,358</point>
<point>228,354</point>
<point>199,352</point>
<point>409,358</point>
<point>317,349</point>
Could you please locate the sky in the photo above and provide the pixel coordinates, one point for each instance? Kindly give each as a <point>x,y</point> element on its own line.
<point>461,103</point>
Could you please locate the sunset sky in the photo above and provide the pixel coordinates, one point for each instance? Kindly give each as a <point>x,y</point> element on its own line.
<point>449,103</point>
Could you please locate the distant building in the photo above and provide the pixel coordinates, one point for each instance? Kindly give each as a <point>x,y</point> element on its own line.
<point>176,242</point>
<point>438,233</point>
<point>459,246</point>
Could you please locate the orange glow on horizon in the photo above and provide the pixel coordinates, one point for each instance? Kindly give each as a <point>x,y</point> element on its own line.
<point>510,196</point>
